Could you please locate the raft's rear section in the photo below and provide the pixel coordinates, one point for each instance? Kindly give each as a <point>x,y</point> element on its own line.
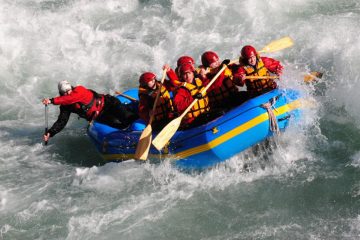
<point>237,130</point>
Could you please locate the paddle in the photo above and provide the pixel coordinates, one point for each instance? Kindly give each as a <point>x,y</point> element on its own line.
<point>143,146</point>
<point>169,130</point>
<point>277,45</point>
<point>274,46</point>
<point>262,77</point>
<point>46,123</point>
<point>126,96</point>
<point>313,76</point>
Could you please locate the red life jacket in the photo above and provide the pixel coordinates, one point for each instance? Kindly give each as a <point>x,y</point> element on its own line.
<point>85,102</point>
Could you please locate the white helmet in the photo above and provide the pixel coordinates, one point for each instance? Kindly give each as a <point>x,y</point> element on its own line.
<point>64,86</point>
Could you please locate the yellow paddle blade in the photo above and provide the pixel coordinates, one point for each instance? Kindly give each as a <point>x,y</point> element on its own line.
<point>143,146</point>
<point>278,45</point>
<point>312,77</point>
<point>166,134</point>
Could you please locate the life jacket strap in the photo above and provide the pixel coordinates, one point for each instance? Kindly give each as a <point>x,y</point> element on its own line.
<point>97,99</point>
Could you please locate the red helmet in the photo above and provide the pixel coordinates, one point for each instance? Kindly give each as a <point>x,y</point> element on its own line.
<point>146,77</point>
<point>185,59</point>
<point>186,68</point>
<point>208,58</point>
<point>247,51</point>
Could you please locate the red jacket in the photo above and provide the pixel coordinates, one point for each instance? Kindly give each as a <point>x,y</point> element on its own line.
<point>83,101</point>
<point>271,64</point>
<point>218,82</point>
<point>182,100</point>
<point>174,80</point>
<point>145,102</point>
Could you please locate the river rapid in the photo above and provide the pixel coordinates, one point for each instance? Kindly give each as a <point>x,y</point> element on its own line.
<point>306,187</point>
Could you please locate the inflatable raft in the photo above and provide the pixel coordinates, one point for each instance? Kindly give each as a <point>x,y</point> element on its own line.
<point>206,145</point>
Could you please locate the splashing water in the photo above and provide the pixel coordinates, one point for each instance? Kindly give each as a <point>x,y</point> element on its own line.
<point>305,184</point>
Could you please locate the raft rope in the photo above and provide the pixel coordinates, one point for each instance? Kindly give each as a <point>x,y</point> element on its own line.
<point>269,106</point>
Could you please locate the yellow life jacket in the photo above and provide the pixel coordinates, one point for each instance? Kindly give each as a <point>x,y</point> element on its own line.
<point>217,96</point>
<point>202,104</point>
<point>164,105</point>
<point>258,85</point>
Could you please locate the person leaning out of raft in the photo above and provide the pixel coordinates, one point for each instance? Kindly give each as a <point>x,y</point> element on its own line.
<point>185,94</point>
<point>223,92</point>
<point>148,88</point>
<point>90,105</point>
<point>251,64</point>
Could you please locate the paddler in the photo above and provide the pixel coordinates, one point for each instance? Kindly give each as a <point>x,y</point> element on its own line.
<point>174,79</point>
<point>185,94</point>
<point>148,88</point>
<point>223,91</point>
<point>251,64</point>
<point>90,105</point>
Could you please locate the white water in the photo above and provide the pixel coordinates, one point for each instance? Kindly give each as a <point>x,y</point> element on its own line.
<point>308,189</point>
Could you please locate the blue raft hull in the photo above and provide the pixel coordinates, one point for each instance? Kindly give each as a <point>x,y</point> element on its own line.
<point>209,144</point>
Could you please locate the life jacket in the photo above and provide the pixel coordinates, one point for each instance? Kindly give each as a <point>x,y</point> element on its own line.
<point>257,86</point>
<point>202,104</point>
<point>85,102</point>
<point>92,109</point>
<point>217,96</point>
<point>164,105</point>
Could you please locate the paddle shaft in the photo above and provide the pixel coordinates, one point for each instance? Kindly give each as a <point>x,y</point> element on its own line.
<point>126,96</point>
<point>203,91</point>
<point>307,78</point>
<point>46,122</point>
<point>261,77</point>
<point>157,97</point>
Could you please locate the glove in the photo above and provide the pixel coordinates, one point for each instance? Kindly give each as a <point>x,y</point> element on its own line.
<point>278,70</point>
<point>226,62</point>
<point>198,96</point>
<point>47,101</point>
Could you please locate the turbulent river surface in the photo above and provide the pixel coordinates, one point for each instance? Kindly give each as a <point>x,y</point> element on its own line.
<point>306,187</point>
